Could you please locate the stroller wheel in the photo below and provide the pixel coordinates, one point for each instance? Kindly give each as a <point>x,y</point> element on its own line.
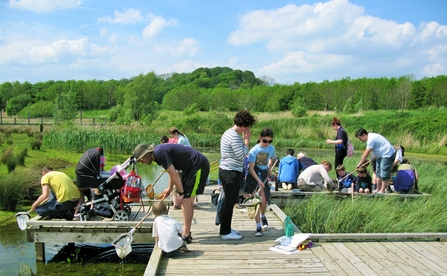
<point>121,215</point>
<point>127,209</point>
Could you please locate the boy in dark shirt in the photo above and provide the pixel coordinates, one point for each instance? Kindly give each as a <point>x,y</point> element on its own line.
<point>364,181</point>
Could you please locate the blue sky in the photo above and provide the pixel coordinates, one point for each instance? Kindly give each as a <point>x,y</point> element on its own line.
<point>285,41</point>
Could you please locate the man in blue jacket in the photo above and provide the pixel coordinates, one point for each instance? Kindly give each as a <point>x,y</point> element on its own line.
<point>289,170</point>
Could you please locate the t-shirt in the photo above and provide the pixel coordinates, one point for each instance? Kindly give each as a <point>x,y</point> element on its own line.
<point>379,145</point>
<point>62,186</point>
<point>261,156</point>
<point>364,183</point>
<point>167,230</point>
<point>183,158</point>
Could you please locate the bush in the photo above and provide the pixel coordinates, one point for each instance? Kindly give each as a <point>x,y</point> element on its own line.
<point>11,164</point>
<point>17,186</point>
<point>7,154</point>
<point>21,157</point>
<point>36,144</point>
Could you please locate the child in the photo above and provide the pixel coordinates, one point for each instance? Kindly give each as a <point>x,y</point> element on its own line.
<point>345,182</point>
<point>166,231</point>
<point>289,169</point>
<point>260,166</point>
<point>364,181</point>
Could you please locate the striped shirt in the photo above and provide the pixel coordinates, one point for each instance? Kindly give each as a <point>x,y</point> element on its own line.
<point>232,151</point>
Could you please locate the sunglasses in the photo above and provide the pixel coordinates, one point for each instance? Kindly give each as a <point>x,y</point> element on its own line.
<point>267,141</point>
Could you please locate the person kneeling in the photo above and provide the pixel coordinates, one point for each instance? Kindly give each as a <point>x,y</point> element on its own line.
<point>166,231</point>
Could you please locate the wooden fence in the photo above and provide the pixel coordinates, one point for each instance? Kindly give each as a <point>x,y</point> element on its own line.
<point>7,120</point>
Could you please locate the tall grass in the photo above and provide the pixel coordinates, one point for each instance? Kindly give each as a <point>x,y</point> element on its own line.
<point>16,186</point>
<point>389,214</point>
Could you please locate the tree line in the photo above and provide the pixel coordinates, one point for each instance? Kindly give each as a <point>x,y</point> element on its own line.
<point>218,88</point>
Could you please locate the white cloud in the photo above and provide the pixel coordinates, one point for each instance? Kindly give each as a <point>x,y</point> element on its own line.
<point>129,16</point>
<point>156,26</point>
<point>335,23</point>
<point>32,52</point>
<point>187,46</point>
<point>44,5</point>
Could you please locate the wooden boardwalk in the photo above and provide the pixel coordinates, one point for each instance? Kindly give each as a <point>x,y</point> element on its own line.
<point>391,254</point>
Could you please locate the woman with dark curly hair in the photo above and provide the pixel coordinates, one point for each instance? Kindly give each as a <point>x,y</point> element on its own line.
<point>340,142</point>
<point>233,150</point>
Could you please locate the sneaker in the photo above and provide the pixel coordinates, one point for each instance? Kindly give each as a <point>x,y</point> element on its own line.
<point>258,232</point>
<point>231,236</point>
<point>235,231</point>
<point>289,186</point>
<point>284,186</point>
<point>265,223</point>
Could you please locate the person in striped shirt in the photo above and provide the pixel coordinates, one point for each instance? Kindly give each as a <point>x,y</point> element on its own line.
<point>234,146</point>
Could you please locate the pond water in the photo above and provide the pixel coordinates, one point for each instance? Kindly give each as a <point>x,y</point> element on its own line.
<point>14,250</point>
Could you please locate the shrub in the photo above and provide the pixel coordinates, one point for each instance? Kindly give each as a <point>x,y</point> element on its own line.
<point>11,164</point>
<point>16,186</point>
<point>7,154</point>
<point>21,157</point>
<point>36,144</point>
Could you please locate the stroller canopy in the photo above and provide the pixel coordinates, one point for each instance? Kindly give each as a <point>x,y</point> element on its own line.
<point>89,164</point>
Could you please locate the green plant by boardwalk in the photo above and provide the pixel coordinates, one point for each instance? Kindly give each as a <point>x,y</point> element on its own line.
<point>421,131</point>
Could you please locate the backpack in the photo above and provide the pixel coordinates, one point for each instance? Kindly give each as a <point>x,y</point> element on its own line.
<point>350,149</point>
<point>132,189</point>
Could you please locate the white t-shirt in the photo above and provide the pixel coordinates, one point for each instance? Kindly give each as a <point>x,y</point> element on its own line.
<point>316,175</point>
<point>167,230</point>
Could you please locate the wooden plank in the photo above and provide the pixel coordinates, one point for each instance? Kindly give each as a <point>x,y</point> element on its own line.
<point>61,237</point>
<point>407,258</point>
<point>154,261</point>
<point>340,259</point>
<point>327,260</point>
<point>51,223</point>
<point>385,255</point>
<point>355,259</point>
<point>374,256</point>
<point>436,252</point>
<point>377,236</point>
<point>424,257</point>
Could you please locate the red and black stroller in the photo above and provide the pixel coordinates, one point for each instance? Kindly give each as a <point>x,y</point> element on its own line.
<point>105,201</point>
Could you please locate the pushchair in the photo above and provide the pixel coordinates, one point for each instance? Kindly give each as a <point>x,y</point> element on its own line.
<point>105,201</point>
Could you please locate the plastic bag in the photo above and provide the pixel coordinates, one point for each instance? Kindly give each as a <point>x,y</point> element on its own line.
<point>350,149</point>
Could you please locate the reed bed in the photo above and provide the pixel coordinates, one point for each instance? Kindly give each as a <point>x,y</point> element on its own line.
<point>330,214</point>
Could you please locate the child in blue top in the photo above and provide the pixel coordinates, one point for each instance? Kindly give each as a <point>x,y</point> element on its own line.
<point>260,166</point>
<point>345,182</point>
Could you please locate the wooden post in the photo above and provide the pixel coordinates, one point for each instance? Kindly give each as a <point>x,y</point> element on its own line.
<point>40,251</point>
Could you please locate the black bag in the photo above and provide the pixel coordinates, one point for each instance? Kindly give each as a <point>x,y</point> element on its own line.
<point>215,197</point>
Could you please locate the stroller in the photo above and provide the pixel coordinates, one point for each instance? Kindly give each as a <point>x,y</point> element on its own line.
<point>105,201</point>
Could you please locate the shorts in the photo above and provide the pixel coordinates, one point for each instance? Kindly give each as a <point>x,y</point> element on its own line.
<point>383,167</point>
<point>251,184</point>
<point>194,182</point>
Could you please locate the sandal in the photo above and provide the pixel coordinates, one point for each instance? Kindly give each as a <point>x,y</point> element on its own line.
<point>187,239</point>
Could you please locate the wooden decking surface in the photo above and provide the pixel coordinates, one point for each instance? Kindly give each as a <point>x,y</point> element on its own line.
<point>251,255</point>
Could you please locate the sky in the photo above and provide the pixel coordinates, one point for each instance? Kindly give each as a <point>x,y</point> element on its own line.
<point>285,41</point>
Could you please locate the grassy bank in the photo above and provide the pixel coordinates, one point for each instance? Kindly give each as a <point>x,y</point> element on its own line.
<point>420,131</point>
